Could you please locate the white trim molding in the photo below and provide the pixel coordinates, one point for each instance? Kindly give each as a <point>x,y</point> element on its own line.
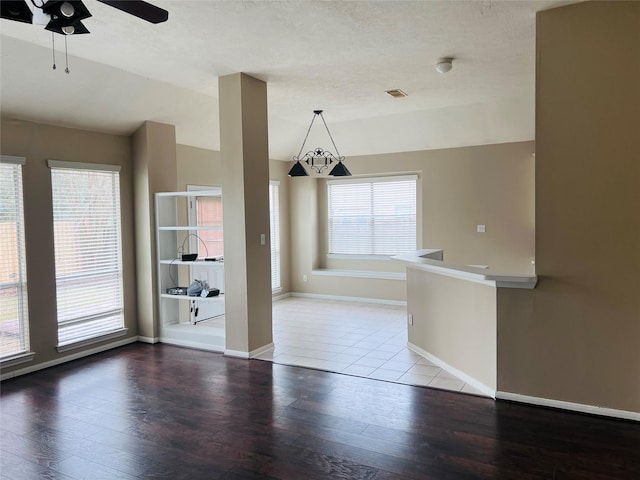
<point>151,340</point>
<point>189,344</point>
<point>13,159</point>
<point>251,354</point>
<point>575,407</point>
<point>83,166</point>
<point>17,359</point>
<point>68,358</point>
<point>481,387</point>
<point>90,341</point>
<point>236,354</point>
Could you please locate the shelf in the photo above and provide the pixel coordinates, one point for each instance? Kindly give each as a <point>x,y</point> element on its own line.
<point>186,228</point>
<point>219,298</point>
<point>199,263</point>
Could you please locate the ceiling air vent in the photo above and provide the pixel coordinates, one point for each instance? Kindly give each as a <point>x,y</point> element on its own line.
<point>396,93</point>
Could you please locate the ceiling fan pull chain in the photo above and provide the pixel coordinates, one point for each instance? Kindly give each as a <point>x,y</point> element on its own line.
<point>66,58</point>
<point>53,50</point>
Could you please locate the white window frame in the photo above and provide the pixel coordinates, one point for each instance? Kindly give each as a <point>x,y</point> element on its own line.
<point>274,223</point>
<point>370,255</point>
<point>96,333</point>
<point>23,354</point>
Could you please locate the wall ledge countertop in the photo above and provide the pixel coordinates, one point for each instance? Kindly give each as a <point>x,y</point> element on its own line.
<point>430,260</point>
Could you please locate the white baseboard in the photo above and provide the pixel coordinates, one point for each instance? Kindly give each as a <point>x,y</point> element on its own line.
<point>575,407</point>
<point>481,387</point>
<point>251,354</point>
<point>68,358</point>
<point>349,299</point>
<point>275,298</point>
<point>261,350</point>
<point>236,354</point>
<point>197,345</point>
<point>148,339</point>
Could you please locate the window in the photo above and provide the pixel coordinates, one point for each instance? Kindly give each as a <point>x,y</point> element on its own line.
<point>208,211</point>
<point>88,251</point>
<point>14,320</point>
<point>372,216</point>
<point>274,220</point>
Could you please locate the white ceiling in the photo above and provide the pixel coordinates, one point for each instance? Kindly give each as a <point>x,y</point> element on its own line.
<point>337,56</point>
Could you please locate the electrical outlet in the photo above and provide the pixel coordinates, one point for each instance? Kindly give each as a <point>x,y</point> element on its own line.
<point>263,239</point>
<point>410,319</point>
<point>481,228</point>
<point>304,278</point>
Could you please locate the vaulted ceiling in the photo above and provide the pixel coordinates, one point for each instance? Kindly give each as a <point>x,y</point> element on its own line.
<point>337,56</point>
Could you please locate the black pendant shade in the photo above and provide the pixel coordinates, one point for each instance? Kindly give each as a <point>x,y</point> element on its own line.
<point>298,170</point>
<point>340,170</point>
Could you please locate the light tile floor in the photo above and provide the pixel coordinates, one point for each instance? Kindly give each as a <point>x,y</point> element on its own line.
<point>361,339</point>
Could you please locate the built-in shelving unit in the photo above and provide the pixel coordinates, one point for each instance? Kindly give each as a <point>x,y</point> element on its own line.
<point>184,320</point>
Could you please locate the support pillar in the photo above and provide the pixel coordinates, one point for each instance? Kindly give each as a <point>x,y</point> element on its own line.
<point>154,170</point>
<point>244,156</point>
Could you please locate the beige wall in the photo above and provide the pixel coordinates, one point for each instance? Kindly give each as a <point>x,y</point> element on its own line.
<point>38,143</point>
<point>576,337</point>
<point>455,320</point>
<point>458,189</point>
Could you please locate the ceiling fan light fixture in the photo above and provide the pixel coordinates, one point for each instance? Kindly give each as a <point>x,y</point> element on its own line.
<point>75,28</point>
<point>67,10</point>
<point>444,65</point>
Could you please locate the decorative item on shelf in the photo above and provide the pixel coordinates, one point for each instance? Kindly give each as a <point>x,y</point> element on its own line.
<point>196,288</point>
<point>319,158</point>
<point>190,257</point>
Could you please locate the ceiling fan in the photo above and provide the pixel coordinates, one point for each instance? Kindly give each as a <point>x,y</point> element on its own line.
<point>65,16</point>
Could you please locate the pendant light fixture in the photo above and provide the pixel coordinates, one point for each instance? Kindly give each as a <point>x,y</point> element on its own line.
<point>319,159</point>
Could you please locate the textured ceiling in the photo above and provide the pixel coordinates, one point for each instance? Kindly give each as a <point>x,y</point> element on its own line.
<point>336,56</point>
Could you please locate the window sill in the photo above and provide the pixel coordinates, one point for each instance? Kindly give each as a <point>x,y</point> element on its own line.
<point>17,359</point>
<point>90,341</point>
<point>345,256</point>
<point>360,274</point>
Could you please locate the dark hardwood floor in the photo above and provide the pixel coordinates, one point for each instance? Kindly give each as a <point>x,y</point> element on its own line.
<point>158,411</point>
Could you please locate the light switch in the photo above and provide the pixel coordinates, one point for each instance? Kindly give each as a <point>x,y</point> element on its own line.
<point>481,228</point>
<point>263,239</point>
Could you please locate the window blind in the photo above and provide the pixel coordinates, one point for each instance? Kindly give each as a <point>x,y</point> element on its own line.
<point>372,216</point>
<point>274,217</point>
<point>88,251</point>
<point>14,321</point>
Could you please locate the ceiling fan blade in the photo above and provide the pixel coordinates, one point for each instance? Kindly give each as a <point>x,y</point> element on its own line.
<point>140,9</point>
<point>16,10</point>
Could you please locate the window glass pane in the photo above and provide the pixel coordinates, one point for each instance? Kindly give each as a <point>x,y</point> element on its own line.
<point>274,210</point>
<point>209,213</point>
<point>376,217</point>
<point>88,253</point>
<point>14,324</point>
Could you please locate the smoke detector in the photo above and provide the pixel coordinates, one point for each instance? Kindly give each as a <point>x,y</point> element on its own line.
<point>444,65</point>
